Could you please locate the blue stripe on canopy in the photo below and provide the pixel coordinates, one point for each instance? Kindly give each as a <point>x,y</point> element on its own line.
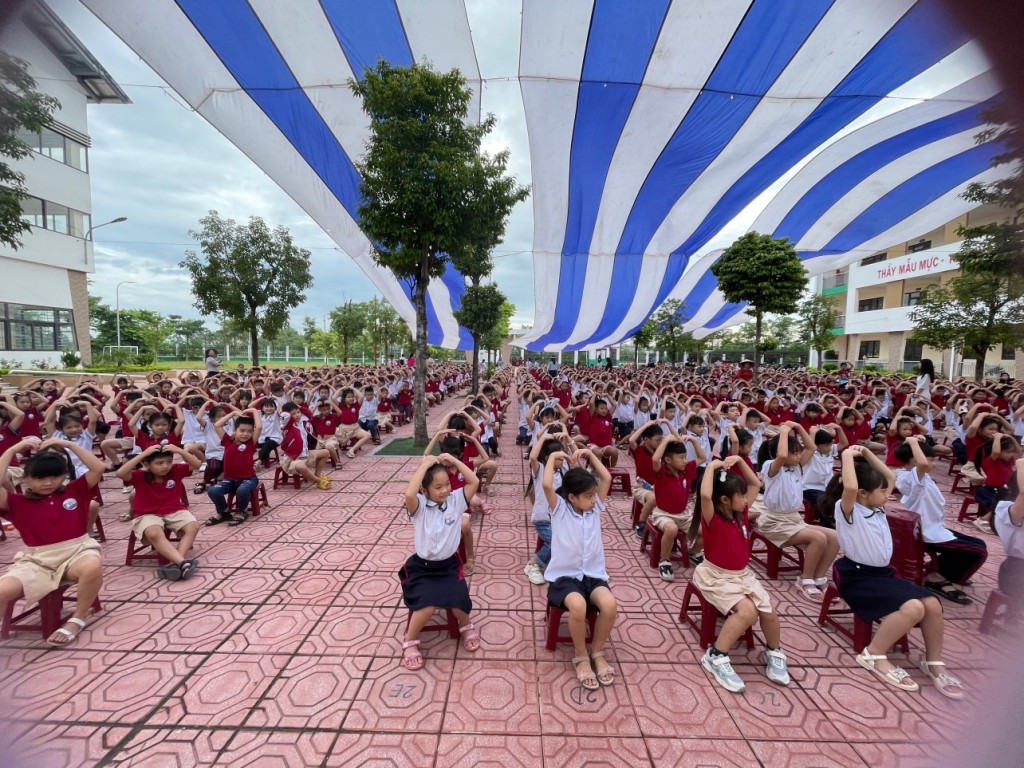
<point>368,30</point>
<point>622,37</point>
<point>922,37</point>
<point>237,37</point>
<point>769,36</point>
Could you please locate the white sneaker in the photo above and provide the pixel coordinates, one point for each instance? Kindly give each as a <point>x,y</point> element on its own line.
<point>776,668</point>
<point>665,571</point>
<point>721,669</point>
<point>534,573</point>
<point>202,467</point>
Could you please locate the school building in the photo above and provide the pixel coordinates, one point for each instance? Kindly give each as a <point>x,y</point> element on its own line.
<point>44,298</point>
<point>875,296</point>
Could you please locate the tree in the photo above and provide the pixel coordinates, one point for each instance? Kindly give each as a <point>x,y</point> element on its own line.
<point>429,195</point>
<point>325,343</point>
<point>644,337</point>
<point>783,329</point>
<point>309,327</point>
<point>495,338</point>
<point>975,311</point>
<point>186,332</point>
<point>479,314</point>
<point>668,322</point>
<point>23,111</point>
<point>818,318</point>
<point>348,322</point>
<point>249,274</point>
<point>764,272</point>
<point>384,327</point>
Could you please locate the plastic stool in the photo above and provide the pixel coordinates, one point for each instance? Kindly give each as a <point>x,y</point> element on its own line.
<point>862,630</point>
<point>637,509</point>
<point>965,514</point>
<point>707,629</point>
<point>451,624</point>
<point>283,478</point>
<point>620,481</point>
<point>770,558</point>
<point>138,545</point>
<point>996,600</point>
<point>553,614</point>
<point>257,502</point>
<point>655,537</point>
<point>51,614</point>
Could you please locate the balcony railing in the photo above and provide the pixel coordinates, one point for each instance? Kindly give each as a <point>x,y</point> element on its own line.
<point>834,281</point>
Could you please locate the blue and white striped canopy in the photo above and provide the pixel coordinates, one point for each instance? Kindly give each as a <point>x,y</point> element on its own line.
<point>659,131</point>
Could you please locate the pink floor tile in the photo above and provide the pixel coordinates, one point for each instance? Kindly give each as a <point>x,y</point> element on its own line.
<point>371,589</point>
<point>569,709</point>
<point>179,747</point>
<point>274,629</point>
<point>383,749</point>
<point>644,637</point>
<point>493,697</point>
<point>801,754</point>
<point>198,628</point>
<point>594,752</point>
<point>392,698</point>
<point>29,691</point>
<point>346,631</point>
<point>712,753</point>
<point>313,587</point>
<point>506,635</point>
<point>269,749</point>
<point>182,592</point>
<point>683,690</point>
<point>57,745</point>
<point>246,585</point>
<point>312,692</point>
<point>338,556</point>
<point>126,626</point>
<point>459,751</point>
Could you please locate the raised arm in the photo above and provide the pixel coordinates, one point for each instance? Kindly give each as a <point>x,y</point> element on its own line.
<point>412,490</point>
<point>554,460</point>
<point>94,466</point>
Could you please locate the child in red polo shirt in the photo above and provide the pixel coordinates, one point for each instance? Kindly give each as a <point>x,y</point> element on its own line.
<point>996,459</point>
<point>160,503</point>
<point>298,459</point>
<point>673,476</point>
<point>52,517</point>
<point>239,471</point>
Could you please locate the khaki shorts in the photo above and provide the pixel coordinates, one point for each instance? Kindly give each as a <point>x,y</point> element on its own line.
<point>779,527</point>
<point>288,463</point>
<point>659,518</point>
<point>126,444</point>
<point>640,492</point>
<point>41,569</point>
<point>328,443</point>
<point>175,521</point>
<point>724,589</point>
<point>383,419</point>
<point>346,432</point>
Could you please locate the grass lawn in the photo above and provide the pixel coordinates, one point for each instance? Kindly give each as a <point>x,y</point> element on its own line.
<point>402,446</point>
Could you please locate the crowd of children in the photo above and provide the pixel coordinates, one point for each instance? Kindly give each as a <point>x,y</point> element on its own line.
<point>803,460</point>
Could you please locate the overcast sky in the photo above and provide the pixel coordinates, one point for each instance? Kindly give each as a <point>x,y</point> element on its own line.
<point>163,166</point>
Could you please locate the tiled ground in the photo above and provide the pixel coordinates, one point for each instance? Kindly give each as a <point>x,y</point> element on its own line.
<point>283,650</point>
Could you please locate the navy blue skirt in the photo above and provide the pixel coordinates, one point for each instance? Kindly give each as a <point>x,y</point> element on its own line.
<point>873,593</point>
<point>434,584</point>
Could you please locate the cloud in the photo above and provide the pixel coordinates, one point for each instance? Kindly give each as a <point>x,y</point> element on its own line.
<point>163,167</point>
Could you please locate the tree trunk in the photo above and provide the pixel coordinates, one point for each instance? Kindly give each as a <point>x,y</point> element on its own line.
<point>758,318</point>
<point>636,356</point>
<point>979,366</point>
<point>254,341</point>
<point>420,375</point>
<point>476,363</point>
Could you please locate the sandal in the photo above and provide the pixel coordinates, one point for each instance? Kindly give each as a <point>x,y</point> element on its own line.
<point>217,520</point>
<point>946,684</point>
<point>954,595</point>
<point>809,589</point>
<point>470,640</point>
<point>467,567</point>
<point>237,520</point>
<point>171,572</point>
<point>125,516</point>
<point>606,674</point>
<point>412,659</point>
<point>200,488</point>
<point>66,633</point>
<point>586,678</point>
<point>188,567</point>
<point>350,454</point>
<point>897,677</point>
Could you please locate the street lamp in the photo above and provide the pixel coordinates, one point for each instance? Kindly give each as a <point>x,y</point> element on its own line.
<point>88,235</point>
<point>117,300</point>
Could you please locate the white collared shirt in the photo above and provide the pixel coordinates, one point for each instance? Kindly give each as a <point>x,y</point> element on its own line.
<point>1010,534</point>
<point>438,528</point>
<point>922,495</point>
<point>866,539</point>
<point>576,546</point>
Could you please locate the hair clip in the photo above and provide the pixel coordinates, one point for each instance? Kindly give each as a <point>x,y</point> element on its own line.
<point>722,475</point>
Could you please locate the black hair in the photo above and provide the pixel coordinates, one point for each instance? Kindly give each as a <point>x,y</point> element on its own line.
<point>575,482</point>
<point>158,416</point>
<point>244,421</point>
<point>694,421</point>
<point>196,402</point>
<point>928,368</point>
<point>812,408</point>
<point>743,437</point>
<point>432,470</point>
<point>651,432</point>
<point>453,444</point>
<point>545,412</point>
<point>823,437</point>
<point>904,452</point>
<point>48,463</point>
<point>457,421</point>
<point>675,448</point>
<point>726,484</point>
<point>69,417</point>
<point>868,479</point>
<point>289,407</point>
<point>985,450</point>
<point>770,448</point>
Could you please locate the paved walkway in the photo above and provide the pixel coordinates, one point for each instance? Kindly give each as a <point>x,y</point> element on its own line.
<point>283,650</point>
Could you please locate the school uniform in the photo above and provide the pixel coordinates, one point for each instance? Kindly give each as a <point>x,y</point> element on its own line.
<point>368,417</point>
<point>540,515</point>
<point>577,553</point>
<point>863,576</point>
<point>239,476</point>
<point>270,434</point>
<point>1011,570</point>
<point>783,501</point>
<point>160,502</point>
<point>672,495</point>
<point>725,577</point>
<point>84,440</point>
<point>958,556</point>
<point>433,577</point>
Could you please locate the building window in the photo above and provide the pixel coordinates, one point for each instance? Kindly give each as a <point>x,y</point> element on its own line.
<point>874,259</point>
<point>55,217</point>
<point>1009,352</point>
<point>29,328</point>
<point>869,305</point>
<point>912,298</point>
<point>924,245</point>
<point>913,350</point>
<point>57,147</point>
<point>869,349</point>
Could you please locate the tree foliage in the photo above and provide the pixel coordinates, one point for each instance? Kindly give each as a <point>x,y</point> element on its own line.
<point>764,272</point>
<point>495,338</point>
<point>348,321</point>
<point>670,336</point>
<point>22,110</point>
<point>384,327</point>
<point>429,194</point>
<point>479,314</point>
<point>818,317</point>
<point>247,273</point>
<point>643,339</point>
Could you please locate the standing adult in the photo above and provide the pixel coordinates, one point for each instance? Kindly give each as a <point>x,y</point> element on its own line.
<point>553,367</point>
<point>925,380</point>
<point>212,363</point>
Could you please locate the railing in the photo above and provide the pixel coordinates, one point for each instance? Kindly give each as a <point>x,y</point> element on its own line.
<point>840,322</point>
<point>835,281</point>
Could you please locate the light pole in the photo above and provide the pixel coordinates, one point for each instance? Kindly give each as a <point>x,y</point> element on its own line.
<point>117,300</point>
<point>88,235</point>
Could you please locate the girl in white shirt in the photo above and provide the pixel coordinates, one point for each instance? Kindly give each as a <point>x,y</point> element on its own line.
<point>433,578</point>
<point>576,573</point>
<point>871,587</point>
<point>1009,524</point>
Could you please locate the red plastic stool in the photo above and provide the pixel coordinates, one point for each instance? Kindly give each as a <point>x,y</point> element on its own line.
<point>996,600</point>
<point>707,629</point>
<point>553,615</point>
<point>283,478</point>
<point>137,549</point>
<point>965,513</point>
<point>952,463</point>
<point>957,479</point>
<point>862,630</point>
<point>637,509</point>
<point>257,502</point>
<point>810,513</point>
<point>620,481</point>
<point>51,614</point>
<point>770,558</point>
<point>272,459</point>
<point>655,536</point>
<point>451,624</point>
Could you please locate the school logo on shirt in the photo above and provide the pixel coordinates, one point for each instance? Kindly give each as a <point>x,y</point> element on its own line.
<point>241,446</point>
<point>169,484</point>
<point>70,504</point>
<point>449,520</point>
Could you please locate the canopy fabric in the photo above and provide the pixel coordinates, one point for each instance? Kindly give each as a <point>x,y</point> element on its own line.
<point>659,131</point>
